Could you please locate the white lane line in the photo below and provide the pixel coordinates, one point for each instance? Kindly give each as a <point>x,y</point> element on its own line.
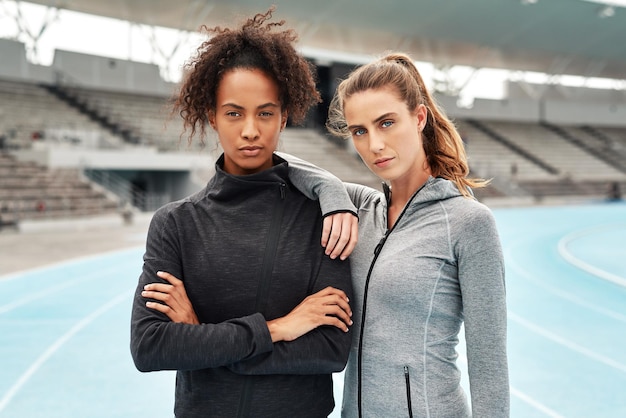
<point>462,363</point>
<point>24,273</point>
<point>58,344</point>
<point>558,292</point>
<point>566,343</point>
<point>34,296</point>
<point>577,262</point>
<point>539,406</point>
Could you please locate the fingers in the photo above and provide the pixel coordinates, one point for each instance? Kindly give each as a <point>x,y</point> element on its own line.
<point>334,236</point>
<point>354,237</point>
<point>171,299</point>
<point>164,297</point>
<point>163,292</point>
<point>326,229</point>
<point>169,277</point>
<point>338,317</point>
<point>329,290</point>
<point>328,306</point>
<point>340,234</point>
<point>331,302</point>
<point>159,307</point>
<point>335,322</point>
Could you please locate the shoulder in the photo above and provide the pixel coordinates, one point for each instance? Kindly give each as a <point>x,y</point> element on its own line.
<point>470,218</point>
<point>178,208</point>
<point>469,208</point>
<point>364,195</point>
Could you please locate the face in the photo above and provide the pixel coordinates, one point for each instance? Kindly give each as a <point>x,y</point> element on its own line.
<point>248,120</point>
<point>387,135</point>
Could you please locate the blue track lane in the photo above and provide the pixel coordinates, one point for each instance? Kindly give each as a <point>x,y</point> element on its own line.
<point>64,330</point>
<point>567,321</point>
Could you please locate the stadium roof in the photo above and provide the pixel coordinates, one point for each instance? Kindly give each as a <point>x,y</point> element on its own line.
<point>550,36</point>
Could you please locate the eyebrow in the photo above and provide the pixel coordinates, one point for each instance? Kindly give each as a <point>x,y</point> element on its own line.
<point>378,119</point>
<point>263,106</point>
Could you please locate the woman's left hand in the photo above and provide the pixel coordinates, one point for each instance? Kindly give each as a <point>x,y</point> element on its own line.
<point>340,234</point>
<point>173,297</point>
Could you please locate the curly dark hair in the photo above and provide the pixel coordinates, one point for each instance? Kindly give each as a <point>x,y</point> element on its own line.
<point>254,45</point>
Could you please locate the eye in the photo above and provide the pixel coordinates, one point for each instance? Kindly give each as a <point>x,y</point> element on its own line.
<point>359,132</point>
<point>266,114</point>
<point>386,123</point>
<point>233,113</point>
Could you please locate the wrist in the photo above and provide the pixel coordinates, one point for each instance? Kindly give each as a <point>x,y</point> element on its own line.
<point>274,328</point>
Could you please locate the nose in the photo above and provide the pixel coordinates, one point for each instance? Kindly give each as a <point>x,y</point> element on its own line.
<point>250,130</point>
<point>376,142</point>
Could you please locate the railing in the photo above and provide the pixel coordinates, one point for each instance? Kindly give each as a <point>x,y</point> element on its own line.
<point>128,195</point>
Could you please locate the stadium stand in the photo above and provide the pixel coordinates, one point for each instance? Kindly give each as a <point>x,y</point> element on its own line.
<point>544,160</point>
<point>30,114</point>
<point>136,118</point>
<point>29,191</point>
<point>533,152</point>
<point>536,161</point>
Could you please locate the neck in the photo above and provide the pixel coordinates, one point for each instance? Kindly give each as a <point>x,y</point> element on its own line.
<point>401,192</point>
<point>403,189</point>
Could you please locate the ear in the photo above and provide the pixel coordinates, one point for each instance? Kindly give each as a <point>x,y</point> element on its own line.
<point>421,112</point>
<point>284,118</point>
<point>211,117</point>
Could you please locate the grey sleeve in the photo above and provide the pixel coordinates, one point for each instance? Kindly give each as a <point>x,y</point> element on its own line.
<point>481,277</point>
<point>318,184</point>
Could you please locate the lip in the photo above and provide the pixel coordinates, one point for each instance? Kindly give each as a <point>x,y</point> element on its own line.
<point>251,150</point>
<point>383,162</point>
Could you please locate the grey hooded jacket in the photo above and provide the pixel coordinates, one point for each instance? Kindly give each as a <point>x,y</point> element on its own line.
<point>415,284</point>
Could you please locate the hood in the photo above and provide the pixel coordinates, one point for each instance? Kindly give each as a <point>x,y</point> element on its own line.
<point>434,190</point>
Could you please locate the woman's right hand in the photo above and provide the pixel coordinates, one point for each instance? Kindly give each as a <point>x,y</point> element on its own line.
<point>329,306</point>
<point>340,234</point>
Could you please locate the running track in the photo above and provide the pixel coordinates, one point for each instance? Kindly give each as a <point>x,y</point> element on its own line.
<point>64,330</point>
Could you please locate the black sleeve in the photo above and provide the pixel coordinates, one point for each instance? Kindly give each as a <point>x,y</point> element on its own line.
<point>323,350</point>
<point>157,343</point>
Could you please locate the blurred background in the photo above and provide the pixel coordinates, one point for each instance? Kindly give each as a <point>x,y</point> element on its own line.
<point>537,89</point>
<point>89,148</point>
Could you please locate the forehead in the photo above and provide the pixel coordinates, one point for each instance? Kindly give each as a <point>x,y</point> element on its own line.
<point>368,104</point>
<point>247,86</point>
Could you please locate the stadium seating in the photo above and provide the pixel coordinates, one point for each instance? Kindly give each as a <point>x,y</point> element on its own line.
<point>524,159</point>
<point>545,160</point>
<point>29,114</point>
<point>29,191</point>
<point>148,119</point>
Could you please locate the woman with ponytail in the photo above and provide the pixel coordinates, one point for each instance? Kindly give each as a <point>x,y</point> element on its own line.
<point>428,258</point>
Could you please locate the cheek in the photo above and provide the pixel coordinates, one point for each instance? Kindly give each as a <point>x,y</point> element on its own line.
<point>363,149</point>
<point>360,145</point>
<point>224,137</point>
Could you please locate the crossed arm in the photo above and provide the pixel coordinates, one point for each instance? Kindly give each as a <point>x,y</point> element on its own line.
<point>329,306</point>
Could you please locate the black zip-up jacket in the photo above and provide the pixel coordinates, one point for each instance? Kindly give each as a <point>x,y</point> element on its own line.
<point>248,250</point>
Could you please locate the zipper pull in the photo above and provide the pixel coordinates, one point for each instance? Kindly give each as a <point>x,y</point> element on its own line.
<point>282,190</point>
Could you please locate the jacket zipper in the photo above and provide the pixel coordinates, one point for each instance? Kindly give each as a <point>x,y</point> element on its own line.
<point>377,251</point>
<point>407,379</point>
<point>264,286</point>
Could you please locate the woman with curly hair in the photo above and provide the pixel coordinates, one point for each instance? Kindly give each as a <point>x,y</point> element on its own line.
<point>237,294</point>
